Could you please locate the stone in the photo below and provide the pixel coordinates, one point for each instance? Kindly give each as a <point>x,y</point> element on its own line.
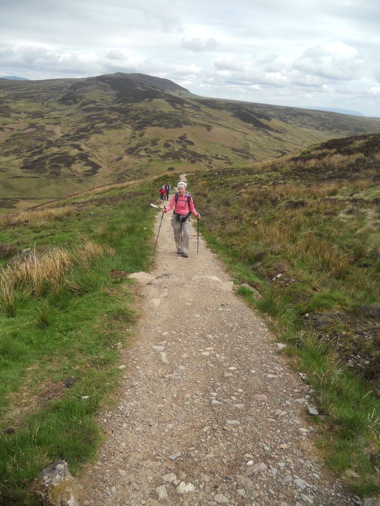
<point>184,488</point>
<point>175,456</point>
<point>244,481</point>
<point>55,486</point>
<point>221,499</point>
<point>162,493</point>
<point>300,483</point>
<point>256,468</point>
<point>169,478</point>
<point>260,397</point>
<point>312,411</point>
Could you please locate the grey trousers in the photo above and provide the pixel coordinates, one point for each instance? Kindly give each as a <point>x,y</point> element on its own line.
<point>181,234</point>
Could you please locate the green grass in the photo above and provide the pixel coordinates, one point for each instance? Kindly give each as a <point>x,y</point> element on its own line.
<point>60,335</point>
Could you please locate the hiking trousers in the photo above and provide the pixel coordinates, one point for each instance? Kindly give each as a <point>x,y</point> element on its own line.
<point>181,234</point>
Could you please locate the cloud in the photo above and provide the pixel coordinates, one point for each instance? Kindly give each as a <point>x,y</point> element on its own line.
<point>335,61</point>
<point>197,44</point>
<point>295,51</point>
<point>228,64</point>
<point>376,73</point>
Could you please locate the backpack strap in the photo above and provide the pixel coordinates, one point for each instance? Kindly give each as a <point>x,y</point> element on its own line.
<point>188,199</point>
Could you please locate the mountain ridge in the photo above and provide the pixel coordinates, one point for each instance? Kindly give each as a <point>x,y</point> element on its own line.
<point>60,136</point>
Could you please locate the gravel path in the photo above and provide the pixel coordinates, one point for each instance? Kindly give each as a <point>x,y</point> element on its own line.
<point>210,413</point>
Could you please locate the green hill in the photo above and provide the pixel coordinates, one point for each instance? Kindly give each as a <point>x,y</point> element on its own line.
<point>58,137</point>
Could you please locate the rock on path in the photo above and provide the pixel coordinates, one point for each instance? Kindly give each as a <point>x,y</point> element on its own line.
<point>209,412</point>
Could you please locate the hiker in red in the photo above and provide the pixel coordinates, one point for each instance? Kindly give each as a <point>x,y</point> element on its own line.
<point>183,206</point>
<point>162,192</point>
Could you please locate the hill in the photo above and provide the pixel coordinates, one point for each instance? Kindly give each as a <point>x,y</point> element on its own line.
<point>14,78</point>
<point>300,237</point>
<point>307,226</point>
<point>61,136</point>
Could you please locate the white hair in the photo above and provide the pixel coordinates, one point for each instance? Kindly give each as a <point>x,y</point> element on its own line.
<point>182,183</point>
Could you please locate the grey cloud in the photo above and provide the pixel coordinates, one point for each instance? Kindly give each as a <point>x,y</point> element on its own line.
<point>228,64</point>
<point>28,59</point>
<point>116,55</point>
<point>366,12</point>
<point>376,73</point>
<point>198,44</point>
<point>319,61</point>
<point>270,63</point>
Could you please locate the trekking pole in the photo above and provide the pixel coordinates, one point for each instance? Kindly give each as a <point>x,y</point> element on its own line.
<point>198,237</point>
<point>158,233</point>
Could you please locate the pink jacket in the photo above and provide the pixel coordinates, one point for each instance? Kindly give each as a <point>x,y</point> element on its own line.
<point>182,207</point>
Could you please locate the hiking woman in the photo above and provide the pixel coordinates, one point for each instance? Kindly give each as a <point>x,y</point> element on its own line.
<point>183,206</point>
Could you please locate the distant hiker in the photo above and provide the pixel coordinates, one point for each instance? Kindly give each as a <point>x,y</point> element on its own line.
<point>183,206</point>
<point>162,192</point>
<point>167,189</point>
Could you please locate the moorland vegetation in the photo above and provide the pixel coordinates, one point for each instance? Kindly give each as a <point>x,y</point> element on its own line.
<point>297,228</point>
<point>62,136</point>
<point>301,237</point>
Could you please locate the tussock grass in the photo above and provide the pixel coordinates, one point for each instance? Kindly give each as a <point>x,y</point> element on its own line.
<point>7,296</point>
<point>40,273</point>
<point>317,253</point>
<point>37,218</point>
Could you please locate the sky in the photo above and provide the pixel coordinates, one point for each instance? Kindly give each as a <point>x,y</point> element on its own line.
<point>322,54</point>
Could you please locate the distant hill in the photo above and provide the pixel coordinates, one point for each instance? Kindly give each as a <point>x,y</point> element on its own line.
<point>61,136</point>
<point>339,111</point>
<point>14,78</point>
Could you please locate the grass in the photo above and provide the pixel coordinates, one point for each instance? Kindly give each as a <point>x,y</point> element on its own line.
<point>304,249</point>
<point>301,239</point>
<point>65,307</point>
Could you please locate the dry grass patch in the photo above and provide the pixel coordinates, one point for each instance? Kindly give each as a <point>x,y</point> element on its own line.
<point>38,273</point>
<point>274,233</point>
<point>37,218</point>
<point>89,251</point>
<point>317,252</point>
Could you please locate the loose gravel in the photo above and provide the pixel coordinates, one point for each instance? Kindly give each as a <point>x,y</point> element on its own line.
<point>210,411</point>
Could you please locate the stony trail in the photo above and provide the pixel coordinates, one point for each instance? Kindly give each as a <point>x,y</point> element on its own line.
<point>209,412</point>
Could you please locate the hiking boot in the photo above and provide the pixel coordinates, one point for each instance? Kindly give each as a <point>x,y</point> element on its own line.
<point>179,252</point>
<point>184,255</point>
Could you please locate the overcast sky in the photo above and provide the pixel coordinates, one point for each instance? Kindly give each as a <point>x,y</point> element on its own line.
<point>299,53</point>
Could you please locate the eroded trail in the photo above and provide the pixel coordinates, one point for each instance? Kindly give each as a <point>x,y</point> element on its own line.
<point>209,412</point>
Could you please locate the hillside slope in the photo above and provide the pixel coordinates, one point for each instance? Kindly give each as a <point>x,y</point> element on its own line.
<point>62,136</point>
<point>308,226</point>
